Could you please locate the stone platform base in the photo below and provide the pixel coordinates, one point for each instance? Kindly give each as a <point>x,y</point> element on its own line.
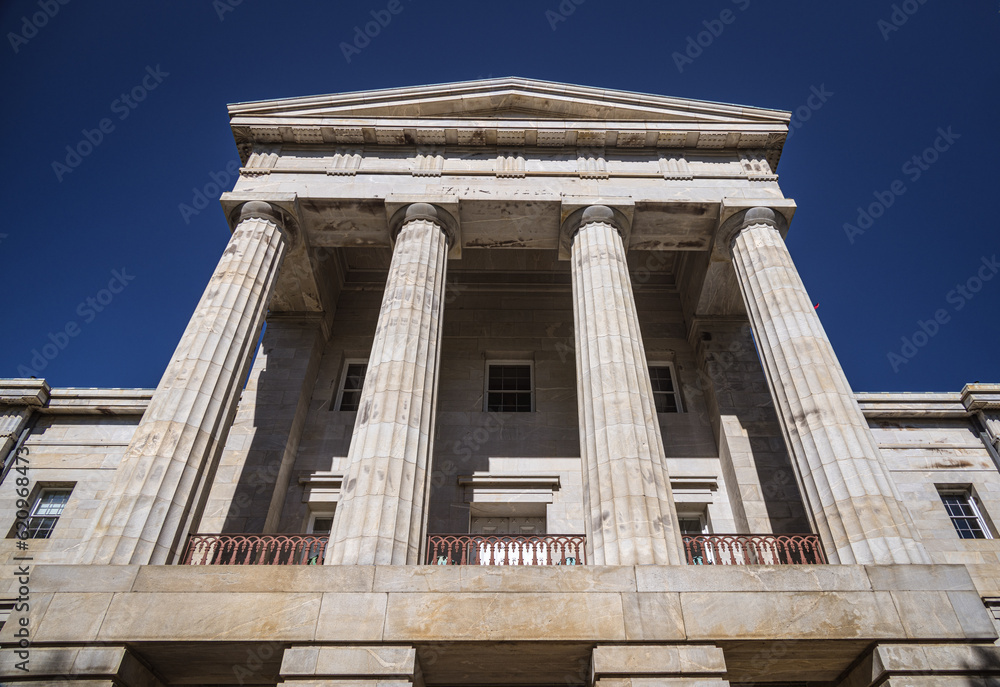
<point>369,626</point>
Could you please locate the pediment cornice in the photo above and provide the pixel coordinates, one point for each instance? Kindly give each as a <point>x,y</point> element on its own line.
<point>508,112</point>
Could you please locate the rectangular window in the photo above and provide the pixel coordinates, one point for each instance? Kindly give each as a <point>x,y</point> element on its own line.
<point>352,382</point>
<point>965,514</point>
<point>320,523</point>
<point>46,511</point>
<point>509,388</point>
<point>666,397</point>
<point>694,523</point>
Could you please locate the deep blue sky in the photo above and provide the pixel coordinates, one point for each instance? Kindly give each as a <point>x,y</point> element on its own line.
<point>118,209</point>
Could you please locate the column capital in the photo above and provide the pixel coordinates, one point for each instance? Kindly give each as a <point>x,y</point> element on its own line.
<point>271,212</point>
<point>259,209</point>
<point>734,226</point>
<point>427,212</point>
<point>593,214</point>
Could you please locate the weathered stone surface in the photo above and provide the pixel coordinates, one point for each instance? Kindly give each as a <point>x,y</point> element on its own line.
<point>643,660</point>
<point>653,617</point>
<point>749,578</point>
<point>155,491</point>
<point>218,616</point>
<point>352,617</point>
<point>376,661</point>
<point>251,578</point>
<point>912,664</point>
<point>74,615</point>
<point>487,617</point>
<point>74,578</point>
<point>855,504</point>
<point>919,577</point>
<point>802,615</point>
<point>381,513</point>
<point>249,489</point>
<point>628,505</point>
<point>479,578</point>
<point>59,666</point>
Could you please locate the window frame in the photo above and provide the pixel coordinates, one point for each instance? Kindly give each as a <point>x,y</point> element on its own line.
<point>694,511</point>
<point>968,493</point>
<point>530,364</point>
<point>37,502</point>
<point>679,402</point>
<point>319,515</point>
<point>339,400</point>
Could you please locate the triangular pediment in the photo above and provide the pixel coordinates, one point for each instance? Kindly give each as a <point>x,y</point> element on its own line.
<point>508,98</point>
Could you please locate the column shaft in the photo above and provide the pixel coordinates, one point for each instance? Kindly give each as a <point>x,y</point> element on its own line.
<point>628,504</point>
<point>158,485</point>
<point>855,505</point>
<point>381,514</point>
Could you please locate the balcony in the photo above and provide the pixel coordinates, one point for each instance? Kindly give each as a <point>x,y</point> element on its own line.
<point>753,549</point>
<point>255,549</point>
<point>503,549</point>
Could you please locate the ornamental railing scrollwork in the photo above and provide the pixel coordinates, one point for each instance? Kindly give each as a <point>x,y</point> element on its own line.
<point>255,549</point>
<point>753,549</point>
<point>502,549</point>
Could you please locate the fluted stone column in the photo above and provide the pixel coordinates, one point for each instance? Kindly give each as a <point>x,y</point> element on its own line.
<point>156,488</point>
<point>628,503</point>
<point>855,505</point>
<point>382,510</point>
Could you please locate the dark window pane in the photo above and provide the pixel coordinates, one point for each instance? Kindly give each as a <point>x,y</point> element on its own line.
<point>46,511</point>
<point>509,389</point>
<point>354,382</point>
<point>665,403</point>
<point>963,516</point>
<point>322,525</point>
<point>661,379</point>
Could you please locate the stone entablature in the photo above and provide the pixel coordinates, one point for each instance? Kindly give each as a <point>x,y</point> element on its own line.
<point>508,112</point>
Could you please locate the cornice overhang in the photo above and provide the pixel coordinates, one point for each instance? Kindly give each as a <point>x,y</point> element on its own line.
<point>509,112</point>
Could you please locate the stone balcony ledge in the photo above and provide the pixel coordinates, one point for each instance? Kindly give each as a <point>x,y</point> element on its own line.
<point>444,604</point>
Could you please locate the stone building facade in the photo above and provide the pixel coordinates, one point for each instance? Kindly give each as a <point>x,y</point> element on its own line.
<point>541,399</point>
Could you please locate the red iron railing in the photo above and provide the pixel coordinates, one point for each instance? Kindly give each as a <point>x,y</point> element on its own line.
<point>255,549</point>
<point>503,549</point>
<point>752,549</point>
